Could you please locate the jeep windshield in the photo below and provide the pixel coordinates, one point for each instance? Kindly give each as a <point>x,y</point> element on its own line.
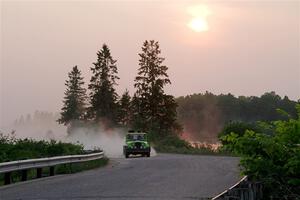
<point>136,137</point>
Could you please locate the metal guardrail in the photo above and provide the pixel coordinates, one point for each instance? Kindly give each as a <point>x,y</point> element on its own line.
<point>47,162</point>
<point>24,165</point>
<point>242,190</point>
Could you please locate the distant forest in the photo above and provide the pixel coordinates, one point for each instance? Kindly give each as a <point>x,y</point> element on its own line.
<point>204,115</point>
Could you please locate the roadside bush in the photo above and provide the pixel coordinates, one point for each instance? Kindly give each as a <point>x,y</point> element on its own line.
<point>273,159</point>
<point>169,141</point>
<point>238,128</point>
<point>19,149</point>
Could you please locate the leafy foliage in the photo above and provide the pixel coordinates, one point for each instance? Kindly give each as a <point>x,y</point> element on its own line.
<point>12,148</point>
<point>273,159</point>
<point>238,128</point>
<point>167,143</point>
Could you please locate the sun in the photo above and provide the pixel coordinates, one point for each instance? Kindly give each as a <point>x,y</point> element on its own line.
<point>199,15</point>
<point>198,24</point>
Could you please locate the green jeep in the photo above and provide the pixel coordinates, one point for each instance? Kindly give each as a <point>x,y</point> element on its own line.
<point>136,143</point>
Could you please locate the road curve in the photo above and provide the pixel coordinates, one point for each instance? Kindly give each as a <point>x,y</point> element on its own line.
<point>165,176</point>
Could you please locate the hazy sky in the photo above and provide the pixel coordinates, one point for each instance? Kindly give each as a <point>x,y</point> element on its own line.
<point>250,47</point>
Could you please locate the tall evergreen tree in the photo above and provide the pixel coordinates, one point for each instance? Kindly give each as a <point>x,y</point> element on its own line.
<point>137,113</point>
<point>124,108</point>
<point>74,100</point>
<point>103,98</point>
<point>153,109</point>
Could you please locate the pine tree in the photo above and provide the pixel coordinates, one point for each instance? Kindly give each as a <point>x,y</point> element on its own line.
<point>74,100</point>
<point>152,108</point>
<point>124,108</point>
<point>103,98</point>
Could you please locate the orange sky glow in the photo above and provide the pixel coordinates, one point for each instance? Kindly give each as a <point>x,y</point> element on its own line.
<point>241,47</point>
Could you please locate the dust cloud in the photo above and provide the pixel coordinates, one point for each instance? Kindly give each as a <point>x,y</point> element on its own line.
<point>44,126</point>
<point>203,125</point>
<point>111,141</point>
<point>94,137</point>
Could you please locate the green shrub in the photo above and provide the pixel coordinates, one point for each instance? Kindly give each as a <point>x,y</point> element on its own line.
<point>19,149</point>
<point>273,159</point>
<point>167,141</point>
<point>239,128</point>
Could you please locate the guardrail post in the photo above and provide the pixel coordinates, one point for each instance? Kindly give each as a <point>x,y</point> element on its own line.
<point>7,178</point>
<point>24,175</point>
<point>51,171</point>
<point>39,172</point>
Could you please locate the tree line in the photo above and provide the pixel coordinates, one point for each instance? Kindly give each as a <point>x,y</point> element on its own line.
<point>149,109</point>
<point>204,115</point>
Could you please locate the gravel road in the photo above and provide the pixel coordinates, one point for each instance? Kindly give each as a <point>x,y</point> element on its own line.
<point>164,177</point>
